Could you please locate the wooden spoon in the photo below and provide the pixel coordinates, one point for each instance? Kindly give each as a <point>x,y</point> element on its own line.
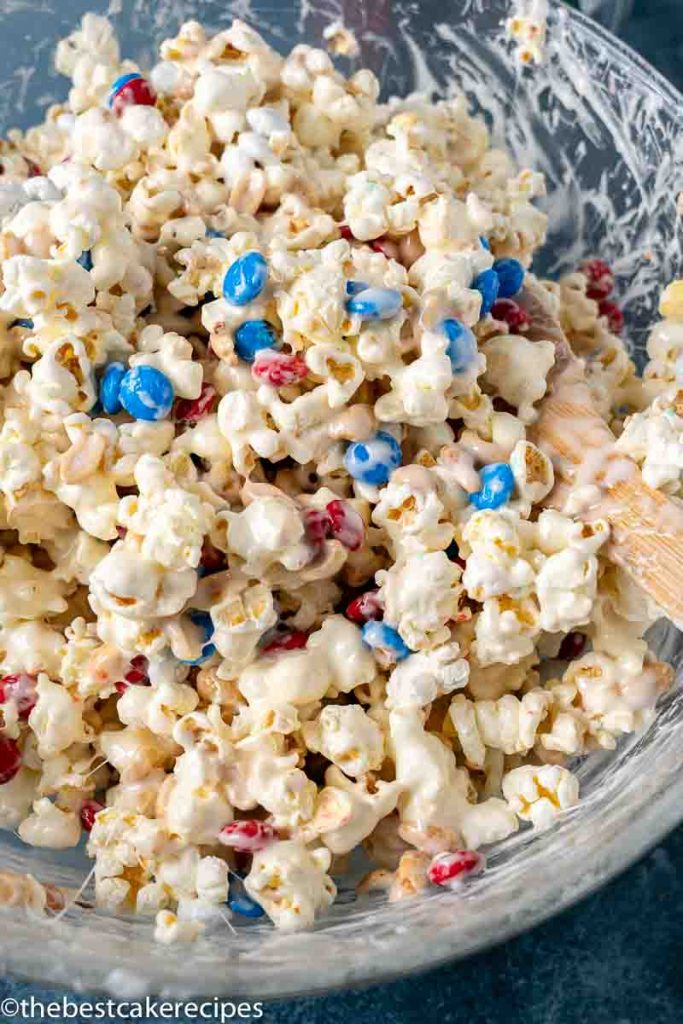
<point>646,536</point>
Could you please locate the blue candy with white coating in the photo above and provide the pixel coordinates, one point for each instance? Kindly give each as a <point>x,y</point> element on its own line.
<point>146,393</point>
<point>510,274</point>
<point>380,636</point>
<point>375,303</point>
<point>245,279</point>
<point>488,286</point>
<point>497,485</point>
<point>354,287</point>
<point>462,344</point>
<point>373,461</point>
<point>110,388</point>
<point>252,337</point>
<point>204,622</point>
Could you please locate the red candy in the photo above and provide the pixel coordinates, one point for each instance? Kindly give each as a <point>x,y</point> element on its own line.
<point>279,369</point>
<point>317,525</point>
<point>34,170</point>
<point>511,313</point>
<point>449,868</point>
<point>212,559</point>
<point>364,608</point>
<point>600,278</point>
<point>20,687</point>
<point>346,525</point>
<point>286,642</point>
<point>121,532</point>
<point>137,92</point>
<point>247,836</point>
<point>573,646</point>
<point>192,410</point>
<point>615,318</point>
<point>385,246</point>
<point>345,232</point>
<point>136,676</point>
<point>88,811</point>
<point>10,759</point>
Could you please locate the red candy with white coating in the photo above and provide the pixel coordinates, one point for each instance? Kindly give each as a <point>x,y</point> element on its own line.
<point>10,759</point>
<point>364,608</point>
<point>87,813</point>
<point>347,525</point>
<point>19,687</point>
<point>137,92</point>
<point>615,318</point>
<point>286,642</point>
<point>450,868</point>
<point>191,411</point>
<point>136,676</point>
<point>247,836</point>
<point>317,525</point>
<point>511,313</point>
<point>600,278</point>
<point>279,369</point>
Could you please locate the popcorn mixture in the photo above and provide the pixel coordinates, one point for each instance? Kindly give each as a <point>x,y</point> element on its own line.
<point>276,576</point>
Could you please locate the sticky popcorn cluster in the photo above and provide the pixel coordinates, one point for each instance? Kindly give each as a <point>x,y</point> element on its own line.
<point>275,577</point>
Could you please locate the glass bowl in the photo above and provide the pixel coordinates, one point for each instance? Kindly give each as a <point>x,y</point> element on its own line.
<point>606,130</point>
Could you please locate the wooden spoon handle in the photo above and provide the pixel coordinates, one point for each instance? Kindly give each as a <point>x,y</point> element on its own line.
<point>646,526</point>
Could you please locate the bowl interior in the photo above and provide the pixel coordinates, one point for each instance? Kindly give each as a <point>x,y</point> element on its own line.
<point>607,132</point>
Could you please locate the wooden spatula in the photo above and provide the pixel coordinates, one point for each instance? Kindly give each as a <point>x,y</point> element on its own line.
<point>646,526</point>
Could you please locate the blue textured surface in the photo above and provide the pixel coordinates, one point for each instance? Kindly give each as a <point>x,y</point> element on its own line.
<point>615,958</point>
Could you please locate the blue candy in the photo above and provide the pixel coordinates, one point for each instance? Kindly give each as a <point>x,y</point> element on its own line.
<point>373,461</point>
<point>245,278</point>
<point>110,388</point>
<point>485,244</point>
<point>462,345</point>
<point>252,336</point>
<point>487,284</point>
<point>510,274</point>
<point>22,322</point>
<point>204,622</point>
<point>212,233</point>
<point>379,635</point>
<point>497,485</point>
<point>353,287</point>
<point>146,393</point>
<point>245,906</point>
<point>119,84</point>
<point>85,259</point>
<point>375,303</point>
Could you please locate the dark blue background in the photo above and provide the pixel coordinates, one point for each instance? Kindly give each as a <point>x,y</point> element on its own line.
<point>614,959</point>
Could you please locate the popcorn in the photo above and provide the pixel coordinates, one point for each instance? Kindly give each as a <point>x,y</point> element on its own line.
<point>538,793</point>
<point>420,595</point>
<point>508,724</point>
<point>347,812</point>
<point>426,675</point>
<point>49,826</point>
<point>347,737</point>
<point>266,494</point>
<point>517,370</point>
<point>290,883</point>
<point>434,790</point>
